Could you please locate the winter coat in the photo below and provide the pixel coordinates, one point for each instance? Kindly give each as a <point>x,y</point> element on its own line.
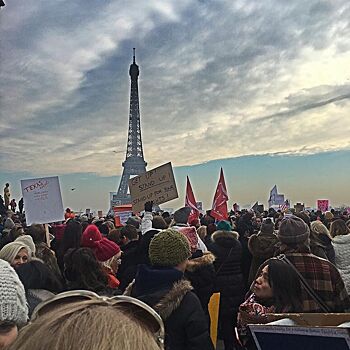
<point>229,279</point>
<point>262,247</point>
<point>44,253</point>
<point>200,272</point>
<point>171,296</point>
<point>128,267</point>
<point>341,246</point>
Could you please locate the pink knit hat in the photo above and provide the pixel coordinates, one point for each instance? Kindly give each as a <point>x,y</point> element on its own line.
<point>103,248</point>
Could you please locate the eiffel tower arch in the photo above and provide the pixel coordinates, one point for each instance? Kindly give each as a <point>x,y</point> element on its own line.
<point>134,163</point>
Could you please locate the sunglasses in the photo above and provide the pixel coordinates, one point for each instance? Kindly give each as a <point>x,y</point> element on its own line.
<point>136,308</point>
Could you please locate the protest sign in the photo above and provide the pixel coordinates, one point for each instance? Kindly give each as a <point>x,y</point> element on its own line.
<point>157,185</point>
<point>121,214</point>
<point>323,205</point>
<point>42,200</point>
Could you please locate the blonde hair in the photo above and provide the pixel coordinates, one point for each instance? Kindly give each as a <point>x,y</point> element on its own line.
<point>202,231</point>
<point>86,325</point>
<point>10,250</point>
<point>319,228</point>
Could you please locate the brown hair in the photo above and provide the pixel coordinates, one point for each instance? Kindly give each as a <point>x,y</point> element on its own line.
<point>338,227</point>
<point>87,325</point>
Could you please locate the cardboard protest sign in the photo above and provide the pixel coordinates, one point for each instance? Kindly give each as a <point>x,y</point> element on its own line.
<point>42,200</point>
<point>157,185</point>
<point>323,204</point>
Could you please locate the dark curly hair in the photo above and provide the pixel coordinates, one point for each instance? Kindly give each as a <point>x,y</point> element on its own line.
<point>83,271</point>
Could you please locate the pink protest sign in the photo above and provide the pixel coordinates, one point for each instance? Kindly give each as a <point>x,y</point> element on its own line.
<point>323,205</point>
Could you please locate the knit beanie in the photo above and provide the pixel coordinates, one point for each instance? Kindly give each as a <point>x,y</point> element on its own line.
<point>181,215</point>
<point>169,248</point>
<point>103,248</point>
<point>223,225</point>
<point>293,230</point>
<point>28,241</point>
<point>10,250</point>
<point>133,220</point>
<point>13,304</point>
<point>267,226</point>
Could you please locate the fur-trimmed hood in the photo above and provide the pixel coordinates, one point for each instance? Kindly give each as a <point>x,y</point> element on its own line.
<point>206,259</point>
<point>170,301</point>
<point>263,244</point>
<point>227,235</point>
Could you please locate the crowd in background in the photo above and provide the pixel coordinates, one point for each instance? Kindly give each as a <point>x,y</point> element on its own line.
<point>147,284</point>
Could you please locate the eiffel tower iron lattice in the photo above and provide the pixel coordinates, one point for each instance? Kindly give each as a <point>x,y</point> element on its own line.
<point>134,163</point>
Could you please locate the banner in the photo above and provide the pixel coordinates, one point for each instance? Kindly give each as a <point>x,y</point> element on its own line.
<point>190,201</point>
<point>157,185</point>
<point>219,208</point>
<point>42,200</point>
<point>323,205</point>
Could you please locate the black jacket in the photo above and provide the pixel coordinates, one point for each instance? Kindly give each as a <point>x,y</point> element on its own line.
<point>128,267</point>
<point>200,272</point>
<point>229,280</point>
<point>170,295</point>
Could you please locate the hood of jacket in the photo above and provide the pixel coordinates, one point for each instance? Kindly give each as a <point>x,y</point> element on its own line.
<point>206,259</point>
<point>149,280</point>
<point>262,245</point>
<point>170,301</point>
<point>225,238</point>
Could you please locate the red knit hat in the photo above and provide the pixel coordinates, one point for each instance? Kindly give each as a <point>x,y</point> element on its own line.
<point>103,248</point>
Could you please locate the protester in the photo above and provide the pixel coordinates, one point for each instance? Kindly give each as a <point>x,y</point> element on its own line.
<point>39,282</point>
<point>71,239</point>
<point>320,236</point>
<point>277,289</point>
<point>341,244</point>
<point>130,256</point>
<point>43,252</point>
<point>90,325</point>
<point>13,305</point>
<point>200,272</point>
<point>83,271</point>
<point>162,286</point>
<point>15,253</point>
<point>106,252</point>
<point>180,220</point>
<point>262,247</point>
<point>229,279</point>
<point>321,275</point>
<point>7,195</point>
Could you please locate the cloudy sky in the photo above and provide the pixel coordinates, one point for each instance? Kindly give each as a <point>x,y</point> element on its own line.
<point>219,79</point>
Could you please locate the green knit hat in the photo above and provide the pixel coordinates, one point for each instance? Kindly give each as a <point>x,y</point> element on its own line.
<point>169,248</point>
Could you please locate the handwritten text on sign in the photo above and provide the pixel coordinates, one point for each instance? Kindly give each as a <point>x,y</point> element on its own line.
<point>157,185</point>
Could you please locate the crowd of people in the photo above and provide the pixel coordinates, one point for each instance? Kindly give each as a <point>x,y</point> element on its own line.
<point>147,284</point>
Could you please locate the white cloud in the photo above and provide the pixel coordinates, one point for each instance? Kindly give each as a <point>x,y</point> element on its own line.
<point>217,80</point>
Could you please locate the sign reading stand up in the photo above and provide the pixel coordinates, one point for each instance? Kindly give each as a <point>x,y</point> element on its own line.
<point>157,185</point>
<point>42,200</point>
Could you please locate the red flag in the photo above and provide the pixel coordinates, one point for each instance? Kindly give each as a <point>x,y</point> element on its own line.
<point>190,201</point>
<point>219,208</point>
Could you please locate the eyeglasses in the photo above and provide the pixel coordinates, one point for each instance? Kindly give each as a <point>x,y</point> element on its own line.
<point>138,309</point>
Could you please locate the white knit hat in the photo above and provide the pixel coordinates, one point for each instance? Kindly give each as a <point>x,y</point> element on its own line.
<point>28,241</point>
<point>13,304</point>
<point>10,250</point>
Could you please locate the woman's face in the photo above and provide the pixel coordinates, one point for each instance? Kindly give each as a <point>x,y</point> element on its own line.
<point>20,258</point>
<point>262,288</point>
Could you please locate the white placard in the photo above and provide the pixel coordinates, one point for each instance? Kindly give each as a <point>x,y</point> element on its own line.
<point>42,200</point>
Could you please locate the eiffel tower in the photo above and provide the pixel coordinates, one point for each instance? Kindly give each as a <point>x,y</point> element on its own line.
<point>134,163</point>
